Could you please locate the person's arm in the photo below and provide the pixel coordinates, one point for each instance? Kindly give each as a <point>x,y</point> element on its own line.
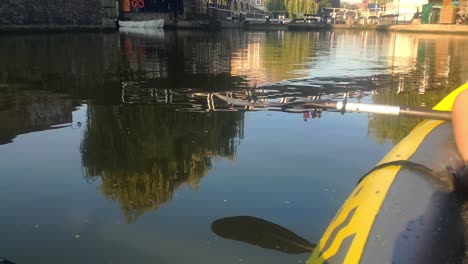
<point>460,123</point>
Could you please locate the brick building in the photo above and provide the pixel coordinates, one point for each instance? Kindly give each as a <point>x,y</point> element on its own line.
<point>57,14</point>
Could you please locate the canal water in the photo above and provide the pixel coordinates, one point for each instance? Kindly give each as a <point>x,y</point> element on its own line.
<point>113,148</point>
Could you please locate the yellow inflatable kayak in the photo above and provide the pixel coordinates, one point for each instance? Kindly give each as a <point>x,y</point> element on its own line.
<point>405,210</point>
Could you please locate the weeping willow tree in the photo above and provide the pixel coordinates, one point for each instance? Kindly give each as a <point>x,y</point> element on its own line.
<point>294,7</point>
<point>143,153</point>
<point>276,5</point>
<point>301,6</point>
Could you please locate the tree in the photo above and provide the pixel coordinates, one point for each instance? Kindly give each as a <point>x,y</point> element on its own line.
<point>144,153</point>
<point>294,7</point>
<point>324,3</point>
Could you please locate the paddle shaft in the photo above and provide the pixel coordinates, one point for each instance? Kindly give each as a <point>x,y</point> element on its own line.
<point>347,107</point>
<point>387,110</point>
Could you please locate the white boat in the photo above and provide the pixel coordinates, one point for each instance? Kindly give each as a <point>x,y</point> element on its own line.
<point>153,32</point>
<point>159,23</point>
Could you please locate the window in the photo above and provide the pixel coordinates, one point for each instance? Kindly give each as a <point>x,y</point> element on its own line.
<point>258,2</point>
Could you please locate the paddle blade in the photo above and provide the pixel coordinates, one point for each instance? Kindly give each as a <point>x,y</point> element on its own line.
<point>5,261</point>
<point>262,233</point>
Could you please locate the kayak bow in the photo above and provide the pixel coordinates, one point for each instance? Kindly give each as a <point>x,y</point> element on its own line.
<point>399,214</point>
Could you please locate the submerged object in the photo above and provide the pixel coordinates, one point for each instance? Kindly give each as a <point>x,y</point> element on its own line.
<point>407,209</point>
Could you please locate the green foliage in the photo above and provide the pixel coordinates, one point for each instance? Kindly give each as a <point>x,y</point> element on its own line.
<point>324,3</point>
<point>276,5</point>
<point>143,153</point>
<point>295,7</point>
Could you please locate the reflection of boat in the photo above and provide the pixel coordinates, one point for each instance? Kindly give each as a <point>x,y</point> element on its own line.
<point>158,23</point>
<point>265,26</point>
<point>155,32</point>
<point>405,210</point>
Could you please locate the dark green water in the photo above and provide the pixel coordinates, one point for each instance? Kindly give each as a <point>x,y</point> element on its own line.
<point>109,152</point>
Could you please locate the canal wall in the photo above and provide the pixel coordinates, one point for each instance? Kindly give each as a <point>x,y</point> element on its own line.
<point>57,14</point>
<point>426,28</point>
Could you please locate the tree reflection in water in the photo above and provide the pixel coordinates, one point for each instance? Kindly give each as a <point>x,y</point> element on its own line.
<point>395,128</point>
<point>143,153</point>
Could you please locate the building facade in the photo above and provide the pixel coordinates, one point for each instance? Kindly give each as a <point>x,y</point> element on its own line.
<point>54,14</point>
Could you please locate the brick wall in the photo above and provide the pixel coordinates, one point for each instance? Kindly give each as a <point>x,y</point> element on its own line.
<point>88,13</point>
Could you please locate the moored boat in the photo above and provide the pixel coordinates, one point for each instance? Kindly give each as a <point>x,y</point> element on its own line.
<point>158,23</point>
<point>265,26</point>
<point>407,209</point>
<point>307,26</point>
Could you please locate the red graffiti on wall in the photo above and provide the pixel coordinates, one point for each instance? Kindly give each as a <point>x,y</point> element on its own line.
<point>138,3</point>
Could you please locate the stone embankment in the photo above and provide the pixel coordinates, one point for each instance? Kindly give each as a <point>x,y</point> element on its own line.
<point>17,15</point>
<point>426,28</point>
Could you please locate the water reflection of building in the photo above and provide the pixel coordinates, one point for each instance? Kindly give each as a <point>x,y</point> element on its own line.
<point>223,60</point>
<point>249,60</point>
<point>143,57</point>
<point>427,56</point>
<point>85,65</point>
<point>32,112</point>
<point>403,51</point>
<point>271,57</point>
<point>425,68</point>
<point>42,77</point>
<point>195,55</point>
<point>180,59</point>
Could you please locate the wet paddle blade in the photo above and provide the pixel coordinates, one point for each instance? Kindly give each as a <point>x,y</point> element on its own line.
<point>262,233</point>
<point>5,261</point>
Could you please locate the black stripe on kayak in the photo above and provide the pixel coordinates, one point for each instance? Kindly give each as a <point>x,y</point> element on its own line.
<point>335,231</point>
<point>412,166</point>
